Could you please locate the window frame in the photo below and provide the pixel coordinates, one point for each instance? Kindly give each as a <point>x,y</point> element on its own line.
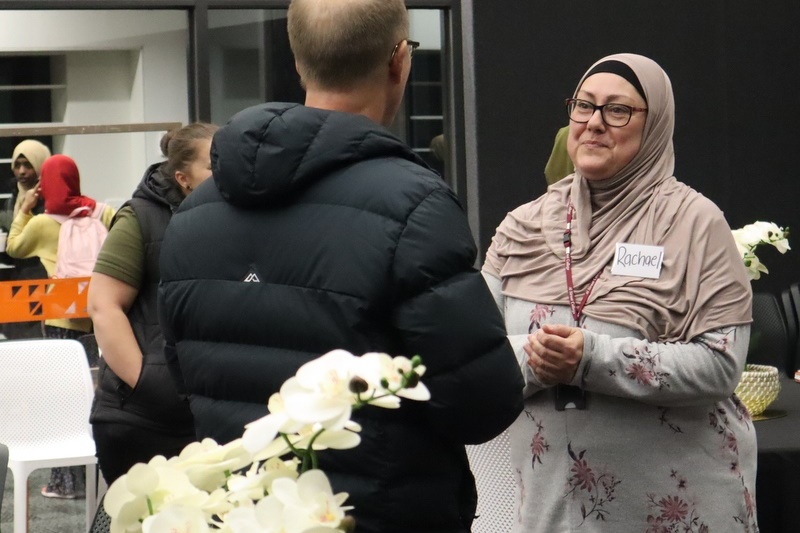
<point>198,57</point>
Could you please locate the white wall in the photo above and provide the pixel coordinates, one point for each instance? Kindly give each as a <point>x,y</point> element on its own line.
<point>100,91</point>
<point>425,26</point>
<point>119,67</point>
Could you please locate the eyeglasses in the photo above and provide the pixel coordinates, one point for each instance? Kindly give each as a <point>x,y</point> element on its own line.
<point>615,115</point>
<point>412,47</point>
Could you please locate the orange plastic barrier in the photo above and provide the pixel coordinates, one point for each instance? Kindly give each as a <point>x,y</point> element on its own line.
<point>42,299</point>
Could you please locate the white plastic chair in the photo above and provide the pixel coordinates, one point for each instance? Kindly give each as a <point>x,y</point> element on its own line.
<point>495,480</point>
<point>3,470</point>
<point>46,394</point>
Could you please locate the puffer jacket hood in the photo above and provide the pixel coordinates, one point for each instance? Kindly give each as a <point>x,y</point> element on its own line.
<point>159,187</point>
<point>267,153</point>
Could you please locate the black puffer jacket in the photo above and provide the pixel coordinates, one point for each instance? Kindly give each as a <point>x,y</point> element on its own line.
<point>321,230</point>
<point>154,403</point>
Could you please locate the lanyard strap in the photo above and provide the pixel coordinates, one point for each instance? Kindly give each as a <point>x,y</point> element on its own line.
<point>577,310</point>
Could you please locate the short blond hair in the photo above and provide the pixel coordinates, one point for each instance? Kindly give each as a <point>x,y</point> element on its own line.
<point>338,43</point>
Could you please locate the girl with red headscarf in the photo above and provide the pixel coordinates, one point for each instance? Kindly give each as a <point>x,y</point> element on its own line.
<point>37,236</point>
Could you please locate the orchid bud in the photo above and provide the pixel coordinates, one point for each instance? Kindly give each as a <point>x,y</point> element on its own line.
<point>358,385</point>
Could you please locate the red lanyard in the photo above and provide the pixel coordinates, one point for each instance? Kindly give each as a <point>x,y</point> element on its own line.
<point>577,310</point>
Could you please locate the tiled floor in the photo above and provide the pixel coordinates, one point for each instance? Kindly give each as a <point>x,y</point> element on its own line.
<point>47,515</point>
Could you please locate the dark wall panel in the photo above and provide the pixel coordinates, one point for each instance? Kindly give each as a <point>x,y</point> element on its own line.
<point>732,66</point>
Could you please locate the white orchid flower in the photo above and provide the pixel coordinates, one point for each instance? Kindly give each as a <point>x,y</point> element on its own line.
<point>176,519</point>
<point>309,502</point>
<point>207,463</point>
<point>261,436</point>
<point>276,468</point>
<point>374,367</point>
<point>146,486</point>
<point>749,237</point>
<point>419,392</point>
<point>207,484</point>
<point>323,397</point>
<point>265,517</point>
<point>208,452</point>
<point>755,267</point>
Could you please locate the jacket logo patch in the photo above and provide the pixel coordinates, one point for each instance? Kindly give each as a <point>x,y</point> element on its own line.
<point>251,277</point>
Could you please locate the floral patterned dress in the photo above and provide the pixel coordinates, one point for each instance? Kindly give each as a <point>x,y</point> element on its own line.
<point>661,446</point>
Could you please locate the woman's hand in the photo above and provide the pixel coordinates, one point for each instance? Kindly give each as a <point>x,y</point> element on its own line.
<point>554,353</point>
<point>30,200</point>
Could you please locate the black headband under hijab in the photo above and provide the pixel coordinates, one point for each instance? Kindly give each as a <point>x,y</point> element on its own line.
<point>619,68</point>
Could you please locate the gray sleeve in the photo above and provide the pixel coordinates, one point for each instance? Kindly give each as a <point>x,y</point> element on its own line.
<point>707,369</point>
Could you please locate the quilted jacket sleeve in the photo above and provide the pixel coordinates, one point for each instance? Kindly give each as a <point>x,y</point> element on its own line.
<point>446,314</point>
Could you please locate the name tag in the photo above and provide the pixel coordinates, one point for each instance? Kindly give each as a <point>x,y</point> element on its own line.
<point>637,260</point>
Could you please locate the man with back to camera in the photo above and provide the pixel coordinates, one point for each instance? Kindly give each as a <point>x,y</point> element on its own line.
<point>321,230</point>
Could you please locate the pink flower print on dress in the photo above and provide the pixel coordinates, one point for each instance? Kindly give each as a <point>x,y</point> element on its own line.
<point>741,411</point>
<point>655,524</point>
<point>718,420</point>
<point>582,475</point>
<point>673,509</point>
<point>674,513</point>
<point>538,315</point>
<point>600,487</point>
<point>639,373</point>
<point>645,365</point>
<point>749,503</point>
<point>724,341</point>
<point>538,444</point>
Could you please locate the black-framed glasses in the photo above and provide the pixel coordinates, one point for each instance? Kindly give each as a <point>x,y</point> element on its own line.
<point>412,47</point>
<point>613,114</point>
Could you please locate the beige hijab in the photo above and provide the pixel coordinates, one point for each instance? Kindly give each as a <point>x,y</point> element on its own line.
<point>703,284</point>
<point>36,153</point>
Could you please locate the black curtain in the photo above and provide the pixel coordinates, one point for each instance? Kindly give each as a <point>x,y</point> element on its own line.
<point>733,67</point>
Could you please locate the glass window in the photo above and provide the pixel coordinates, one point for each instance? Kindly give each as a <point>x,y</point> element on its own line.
<point>251,62</point>
<point>94,68</point>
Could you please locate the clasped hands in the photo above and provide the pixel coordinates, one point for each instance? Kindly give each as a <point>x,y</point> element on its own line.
<point>554,353</point>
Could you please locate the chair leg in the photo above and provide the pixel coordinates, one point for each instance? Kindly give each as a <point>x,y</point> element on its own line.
<point>20,502</point>
<point>102,487</point>
<point>91,494</point>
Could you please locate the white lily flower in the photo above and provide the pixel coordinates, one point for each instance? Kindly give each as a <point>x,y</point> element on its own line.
<point>176,519</point>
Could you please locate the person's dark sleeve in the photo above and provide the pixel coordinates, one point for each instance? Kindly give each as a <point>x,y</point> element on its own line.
<point>170,352</point>
<point>447,315</point>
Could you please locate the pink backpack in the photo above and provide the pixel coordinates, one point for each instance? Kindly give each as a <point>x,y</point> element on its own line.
<point>79,242</point>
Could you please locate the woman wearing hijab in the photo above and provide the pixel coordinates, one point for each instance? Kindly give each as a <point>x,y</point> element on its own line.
<point>37,236</point>
<point>629,306</point>
<point>26,164</point>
